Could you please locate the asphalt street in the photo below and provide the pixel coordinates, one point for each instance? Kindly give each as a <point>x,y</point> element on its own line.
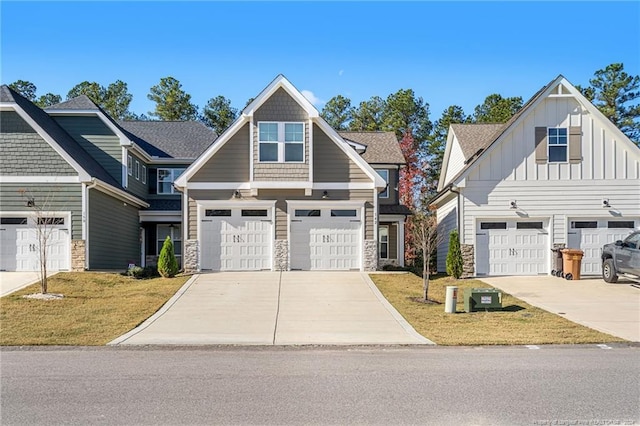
<point>588,384</point>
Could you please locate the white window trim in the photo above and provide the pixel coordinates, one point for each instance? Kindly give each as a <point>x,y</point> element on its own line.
<point>565,145</point>
<point>173,179</point>
<point>281,142</point>
<point>137,170</point>
<point>144,174</point>
<point>386,179</point>
<point>380,241</point>
<point>129,165</point>
<point>176,236</point>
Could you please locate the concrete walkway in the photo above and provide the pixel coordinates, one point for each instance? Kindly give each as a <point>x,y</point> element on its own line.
<point>14,281</point>
<point>610,308</point>
<point>273,308</point>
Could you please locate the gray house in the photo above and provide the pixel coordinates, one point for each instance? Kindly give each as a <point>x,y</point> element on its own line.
<point>116,189</point>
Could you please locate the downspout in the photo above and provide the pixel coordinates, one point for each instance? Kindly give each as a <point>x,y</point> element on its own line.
<point>86,224</point>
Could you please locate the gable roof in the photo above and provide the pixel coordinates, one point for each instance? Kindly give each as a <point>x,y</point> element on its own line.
<point>280,82</point>
<point>169,139</point>
<point>381,147</point>
<point>474,137</point>
<point>81,102</point>
<point>84,164</point>
<point>541,94</point>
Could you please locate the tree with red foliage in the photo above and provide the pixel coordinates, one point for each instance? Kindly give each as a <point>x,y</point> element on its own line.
<point>410,185</point>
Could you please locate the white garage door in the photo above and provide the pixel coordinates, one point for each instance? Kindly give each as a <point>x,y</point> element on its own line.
<point>589,235</point>
<point>325,239</point>
<point>236,239</point>
<point>512,247</point>
<point>20,242</point>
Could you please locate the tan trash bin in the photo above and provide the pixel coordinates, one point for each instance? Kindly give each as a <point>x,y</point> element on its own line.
<point>571,263</point>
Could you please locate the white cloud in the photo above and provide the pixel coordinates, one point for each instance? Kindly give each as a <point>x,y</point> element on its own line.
<point>312,98</point>
<point>340,73</point>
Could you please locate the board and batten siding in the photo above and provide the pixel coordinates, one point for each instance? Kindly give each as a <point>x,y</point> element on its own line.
<point>230,163</point>
<point>281,196</point>
<point>456,161</point>
<point>25,152</point>
<point>280,107</point>
<point>114,235</point>
<point>97,139</point>
<point>62,198</point>
<point>331,164</point>
<point>447,219</point>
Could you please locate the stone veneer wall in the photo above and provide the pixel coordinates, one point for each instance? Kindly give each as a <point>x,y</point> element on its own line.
<point>370,260</point>
<point>78,255</point>
<point>281,255</point>
<point>190,258</point>
<point>468,265</point>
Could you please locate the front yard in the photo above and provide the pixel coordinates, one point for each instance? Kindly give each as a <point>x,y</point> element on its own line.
<point>96,308</point>
<point>517,324</point>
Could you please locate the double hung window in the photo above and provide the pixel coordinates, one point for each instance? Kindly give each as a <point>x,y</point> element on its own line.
<point>557,138</point>
<point>281,142</point>
<point>166,177</point>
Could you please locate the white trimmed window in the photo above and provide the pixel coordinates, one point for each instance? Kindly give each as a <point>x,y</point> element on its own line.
<point>129,165</point>
<point>384,174</point>
<point>280,142</point>
<point>173,232</point>
<point>137,170</point>
<point>144,174</point>
<point>557,144</point>
<point>166,177</point>
<point>383,242</point>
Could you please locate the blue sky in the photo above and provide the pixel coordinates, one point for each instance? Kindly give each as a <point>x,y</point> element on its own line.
<point>448,53</point>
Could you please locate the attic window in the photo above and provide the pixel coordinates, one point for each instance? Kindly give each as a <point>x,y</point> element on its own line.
<point>557,145</point>
<point>281,142</point>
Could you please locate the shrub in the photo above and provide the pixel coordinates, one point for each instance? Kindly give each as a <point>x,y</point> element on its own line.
<point>167,263</point>
<point>454,256</point>
<point>139,273</point>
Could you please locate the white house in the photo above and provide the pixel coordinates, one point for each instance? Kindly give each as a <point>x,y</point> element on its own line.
<point>557,174</point>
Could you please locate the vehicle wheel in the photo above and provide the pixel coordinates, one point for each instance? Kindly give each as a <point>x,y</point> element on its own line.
<point>559,274</point>
<point>609,273</point>
<point>569,276</point>
<point>554,272</point>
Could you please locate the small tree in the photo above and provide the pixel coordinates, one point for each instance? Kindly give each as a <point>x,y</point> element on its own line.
<point>454,256</point>
<point>167,263</point>
<point>426,240</point>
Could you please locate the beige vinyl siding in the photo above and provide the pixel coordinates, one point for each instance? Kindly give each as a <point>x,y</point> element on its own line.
<point>114,235</point>
<point>281,206</point>
<point>230,163</point>
<point>52,197</point>
<point>280,107</point>
<point>135,185</point>
<point>98,140</point>
<point>331,164</point>
<point>25,152</point>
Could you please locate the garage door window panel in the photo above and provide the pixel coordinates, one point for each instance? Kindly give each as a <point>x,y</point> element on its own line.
<point>618,224</point>
<point>255,213</point>
<point>344,213</point>
<point>493,225</point>
<point>13,221</point>
<point>585,224</point>
<point>215,213</point>
<point>305,213</point>
<point>529,225</point>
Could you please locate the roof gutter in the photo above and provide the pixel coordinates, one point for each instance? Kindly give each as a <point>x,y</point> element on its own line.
<point>118,193</point>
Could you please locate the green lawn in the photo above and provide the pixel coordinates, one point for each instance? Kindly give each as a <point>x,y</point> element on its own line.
<point>517,324</point>
<point>96,308</point>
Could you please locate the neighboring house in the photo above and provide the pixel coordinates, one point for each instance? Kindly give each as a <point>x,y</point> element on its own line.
<point>280,189</point>
<point>97,178</point>
<point>557,174</point>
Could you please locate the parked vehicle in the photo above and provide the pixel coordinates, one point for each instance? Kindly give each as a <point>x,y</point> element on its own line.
<point>622,258</point>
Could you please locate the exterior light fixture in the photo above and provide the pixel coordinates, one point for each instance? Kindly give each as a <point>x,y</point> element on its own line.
<point>513,204</point>
<point>605,203</point>
<point>31,202</point>
<point>237,194</point>
<point>325,195</point>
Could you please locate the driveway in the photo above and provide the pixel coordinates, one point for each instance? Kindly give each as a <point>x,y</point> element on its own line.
<point>14,281</point>
<point>610,308</point>
<point>273,308</point>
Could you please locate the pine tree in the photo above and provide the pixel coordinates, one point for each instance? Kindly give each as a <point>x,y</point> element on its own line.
<point>454,256</point>
<point>167,263</point>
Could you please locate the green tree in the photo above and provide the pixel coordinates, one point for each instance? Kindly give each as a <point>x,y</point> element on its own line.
<point>172,103</point>
<point>368,115</point>
<point>404,111</point>
<point>613,92</point>
<point>436,143</point>
<point>116,100</point>
<point>90,89</point>
<point>219,114</point>
<point>25,88</point>
<point>454,256</point>
<point>48,99</point>
<point>337,112</point>
<point>496,109</point>
<point>167,263</point>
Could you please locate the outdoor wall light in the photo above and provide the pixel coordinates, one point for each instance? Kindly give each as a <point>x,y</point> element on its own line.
<point>325,195</point>
<point>31,202</point>
<point>237,194</point>
<point>513,204</point>
<point>605,203</point>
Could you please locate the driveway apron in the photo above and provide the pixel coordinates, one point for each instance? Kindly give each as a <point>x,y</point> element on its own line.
<point>610,308</point>
<point>273,308</point>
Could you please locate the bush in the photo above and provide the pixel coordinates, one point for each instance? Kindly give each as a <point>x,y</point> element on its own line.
<point>454,256</point>
<point>139,273</point>
<point>167,263</point>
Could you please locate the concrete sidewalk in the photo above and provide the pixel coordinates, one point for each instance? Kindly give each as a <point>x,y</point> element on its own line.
<point>270,308</point>
<point>610,308</point>
<point>14,281</point>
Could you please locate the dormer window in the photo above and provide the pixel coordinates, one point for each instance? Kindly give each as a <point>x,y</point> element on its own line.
<point>280,142</point>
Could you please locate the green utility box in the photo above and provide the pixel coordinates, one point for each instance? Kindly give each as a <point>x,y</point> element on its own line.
<point>478,299</point>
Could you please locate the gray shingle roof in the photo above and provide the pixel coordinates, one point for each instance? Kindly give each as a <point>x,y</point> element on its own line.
<point>473,137</point>
<point>81,102</point>
<point>394,209</point>
<point>165,205</point>
<point>382,147</point>
<point>170,139</point>
<point>64,140</point>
